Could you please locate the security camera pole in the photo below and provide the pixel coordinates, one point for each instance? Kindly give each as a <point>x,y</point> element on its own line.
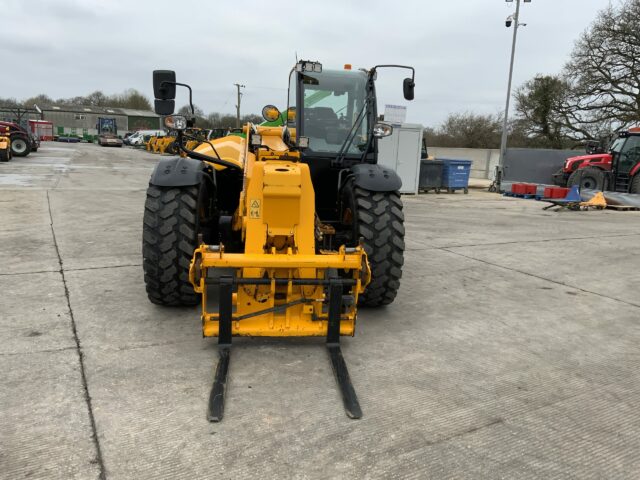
<point>505,121</point>
<point>238,86</point>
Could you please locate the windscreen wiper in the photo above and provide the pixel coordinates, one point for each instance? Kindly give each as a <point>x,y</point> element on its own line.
<point>351,135</point>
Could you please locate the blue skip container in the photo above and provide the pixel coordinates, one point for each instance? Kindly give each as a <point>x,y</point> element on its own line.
<point>455,174</point>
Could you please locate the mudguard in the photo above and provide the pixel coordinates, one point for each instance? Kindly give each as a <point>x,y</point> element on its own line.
<point>375,178</point>
<point>177,172</point>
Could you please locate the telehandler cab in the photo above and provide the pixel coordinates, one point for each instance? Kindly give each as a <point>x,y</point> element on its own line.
<point>284,229</point>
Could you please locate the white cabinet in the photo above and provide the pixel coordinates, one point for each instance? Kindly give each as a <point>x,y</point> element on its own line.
<point>401,152</point>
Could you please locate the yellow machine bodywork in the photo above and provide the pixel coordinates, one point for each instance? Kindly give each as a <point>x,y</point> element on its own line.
<point>149,145</point>
<point>163,143</point>
<point>5,144</point>
<point>279,228</point>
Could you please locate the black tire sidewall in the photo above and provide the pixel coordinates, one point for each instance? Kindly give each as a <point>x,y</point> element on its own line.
<point>381,290</point>
<point>594,176</point>
<point>179,282</point>
<point>20,141</point>
<point>634,186</point>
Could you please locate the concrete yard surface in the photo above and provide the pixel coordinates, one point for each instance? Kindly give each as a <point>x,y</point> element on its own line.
<point>510,352</point>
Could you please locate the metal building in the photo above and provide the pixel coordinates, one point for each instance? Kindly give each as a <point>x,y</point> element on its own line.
<point>83,120</point>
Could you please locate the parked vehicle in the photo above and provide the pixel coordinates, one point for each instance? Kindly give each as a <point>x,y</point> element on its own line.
<point>23,142</point>
<point>618,170</point>
<point>35,141</point>
<point>293,228</point>
<point>138,138</point>
<point>109,140</point>
<point>5,144</point>
<point>67,139</point>
<point>126,137</point>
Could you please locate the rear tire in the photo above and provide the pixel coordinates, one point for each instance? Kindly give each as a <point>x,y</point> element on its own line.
<point>20,147</point>
<point>591,178</point>
<point>634,187</point>
<point>169,238</point>
<point>377,218</point>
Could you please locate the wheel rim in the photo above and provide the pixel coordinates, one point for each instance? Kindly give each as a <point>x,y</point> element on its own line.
<point>588,183</point>
<point>19,146</point>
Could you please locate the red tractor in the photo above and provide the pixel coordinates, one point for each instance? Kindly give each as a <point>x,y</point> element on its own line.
<point>618,170</point>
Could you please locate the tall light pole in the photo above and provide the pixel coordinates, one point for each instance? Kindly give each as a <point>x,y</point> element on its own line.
<point>238,86</point>
<point>515,20</point>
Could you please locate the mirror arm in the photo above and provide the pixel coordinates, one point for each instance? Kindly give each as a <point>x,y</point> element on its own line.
<point>193,112</point>
<point>413,70</point>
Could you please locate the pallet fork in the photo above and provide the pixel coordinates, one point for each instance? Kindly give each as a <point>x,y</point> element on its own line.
<point>335,286</point>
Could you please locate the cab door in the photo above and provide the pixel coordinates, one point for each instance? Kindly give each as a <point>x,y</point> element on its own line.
<point>629,156</point>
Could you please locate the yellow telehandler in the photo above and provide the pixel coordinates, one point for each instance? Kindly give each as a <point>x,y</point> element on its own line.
<point>283,229</point>
<point>5,144</point>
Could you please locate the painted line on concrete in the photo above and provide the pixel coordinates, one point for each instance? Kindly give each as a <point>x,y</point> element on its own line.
<point>87,396</point>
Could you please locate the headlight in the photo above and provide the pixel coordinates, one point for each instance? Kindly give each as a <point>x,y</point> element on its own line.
<point>382,130</point>
<point>306,66</point>
<point>175,122</point>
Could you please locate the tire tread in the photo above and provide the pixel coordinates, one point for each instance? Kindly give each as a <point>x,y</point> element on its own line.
<point>169,237</point>
<point>381,225</point>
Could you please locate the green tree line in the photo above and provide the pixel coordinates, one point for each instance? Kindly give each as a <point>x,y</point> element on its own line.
<point>130,98</point>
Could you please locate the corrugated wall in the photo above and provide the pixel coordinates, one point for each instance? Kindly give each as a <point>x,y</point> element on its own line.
<point>144,123</point>
<point>70,123</point>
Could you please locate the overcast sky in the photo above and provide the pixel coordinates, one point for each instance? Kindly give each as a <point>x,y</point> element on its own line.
<point>460,48</point>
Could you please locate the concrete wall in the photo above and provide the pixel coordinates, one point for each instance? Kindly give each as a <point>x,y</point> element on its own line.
<point>521,164</point>
<point>534,165</point>
<point>484,160</point>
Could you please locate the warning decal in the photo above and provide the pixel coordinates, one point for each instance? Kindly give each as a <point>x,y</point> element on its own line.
<point>254,208</point>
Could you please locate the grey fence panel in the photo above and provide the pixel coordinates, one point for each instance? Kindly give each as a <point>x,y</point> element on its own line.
<point>534,165</point>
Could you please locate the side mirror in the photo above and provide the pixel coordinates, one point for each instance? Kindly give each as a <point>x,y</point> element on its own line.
<point>164,84</point>
<point>270,113</point>
<point>407,88</point>
<point>164,91</point>
<point>164,107</point>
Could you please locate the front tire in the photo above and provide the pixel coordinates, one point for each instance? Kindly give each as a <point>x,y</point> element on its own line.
<point>169,238</point>
<point>377,218</point>
<point>5,155</point>
<point>20,147</point>
<point>591,178</point>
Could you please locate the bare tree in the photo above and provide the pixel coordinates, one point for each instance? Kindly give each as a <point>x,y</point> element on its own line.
<point>466,130</point>
<point>604,74</point>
